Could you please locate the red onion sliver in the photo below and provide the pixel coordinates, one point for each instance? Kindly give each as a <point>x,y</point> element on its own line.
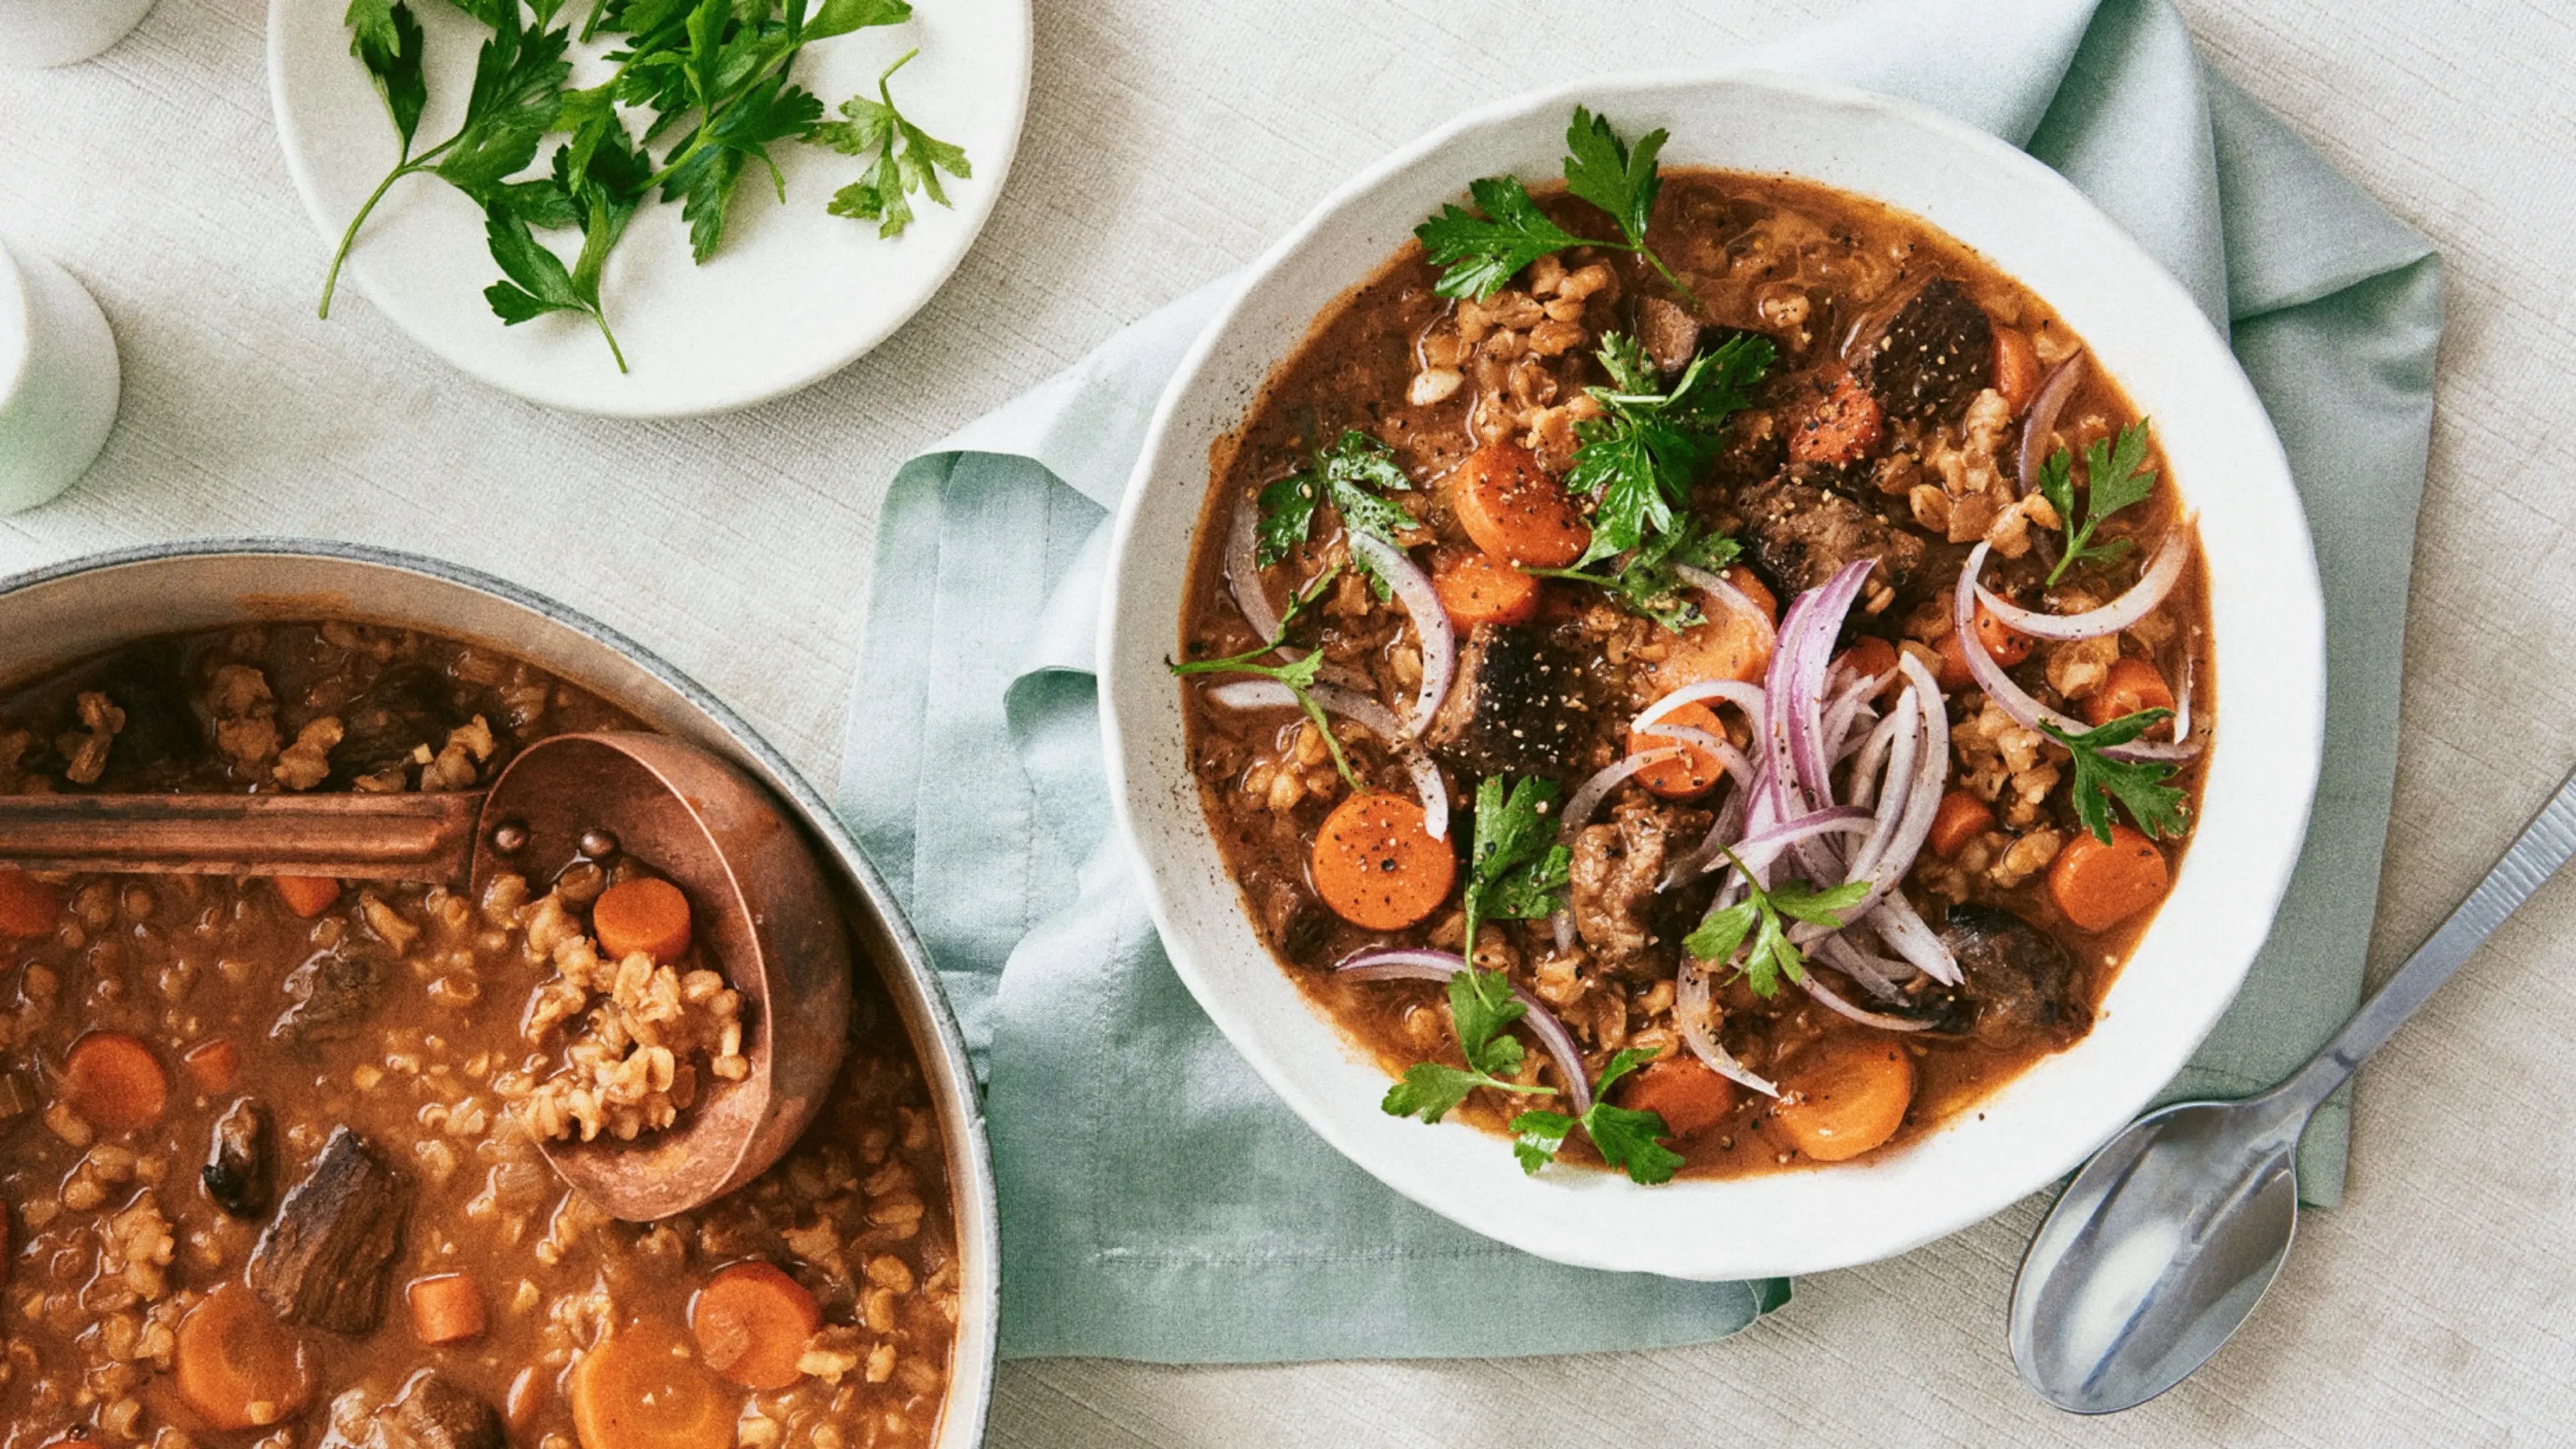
<point>2150,590</point>
<point>2182,699</point>
<point>1834,1002</point>
<point>1430,621</point>
<point>1692,1012</point>
<point>1898,925</point>
<point>1588,795</point>
<point>1746,697</point>
<point>1243,571</point>
<point>2017,702</point>
<point>1728,757</point>
<point>1394,964</point>
<point>1876,974</point>
<point>2039,425</point>
<point>1733,599</point>
<point>1370,715</point>
<point>1871,751</point>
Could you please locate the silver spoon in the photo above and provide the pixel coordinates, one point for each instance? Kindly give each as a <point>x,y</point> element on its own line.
<point>2161,1245</point>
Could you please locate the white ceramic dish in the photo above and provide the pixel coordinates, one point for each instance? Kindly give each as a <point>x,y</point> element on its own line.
<point>794,294</point>
<point>2267,618</point>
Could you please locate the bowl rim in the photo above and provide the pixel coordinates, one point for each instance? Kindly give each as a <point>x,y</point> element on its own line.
<point>976,1203</point>
<point>1564,1233</point>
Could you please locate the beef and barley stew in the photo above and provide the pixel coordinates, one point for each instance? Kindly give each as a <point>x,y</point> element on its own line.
<point>269,1174</point>
<point>1695,670</point>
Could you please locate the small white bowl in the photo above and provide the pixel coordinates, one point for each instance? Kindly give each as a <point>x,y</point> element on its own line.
<point>2267,618</point>
<point>59,378</point>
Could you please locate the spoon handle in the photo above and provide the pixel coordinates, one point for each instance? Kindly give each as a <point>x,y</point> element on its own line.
<point>2544,845</point>
<point>348,837</point>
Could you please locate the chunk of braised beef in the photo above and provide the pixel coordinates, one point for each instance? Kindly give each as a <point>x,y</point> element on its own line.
<point>160,738</point>
<point>1517,706</point>
<point>326,1259</point>
<point>1932,355</point>
<point>1669,334</point>
<point>240,1174</point>
<point>432,1412</point>
<point>1299,926</point>
<point>331,994</point>
<point>408,705</point>
<point>1800,535</point>
<point>1611,885</point>
<point>2019,984</point>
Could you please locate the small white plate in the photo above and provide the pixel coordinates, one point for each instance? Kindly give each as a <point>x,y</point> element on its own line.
<point>793,295</point>
<point>2267,616</point>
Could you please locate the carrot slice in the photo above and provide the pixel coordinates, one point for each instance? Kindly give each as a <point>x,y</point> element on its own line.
<point>213,1065</point>
<point>1477,588</point>
<point>2007,645</point>
<point>445,1307</point>
<point>751,1322</point>
<point>2132,685</point>
<point>2098,886</point>
<point>643,914</point>
<point>2016,368</point>
<point>527,1396</point>
<point>1684,1092</point>
<point>1513,510</point>
<point>1724,645</point>
<point>1842,427</point>
<point>307,895</point>
<point>1960,818</point>
<point>1851,1093</point>
<point>236,1365</point>
<point>639,1389</point>
<point>1872,656</point>
<point>28,906</point>
<point>1376,864</point>
<point>1695,770</point>
<point>114,1081</point>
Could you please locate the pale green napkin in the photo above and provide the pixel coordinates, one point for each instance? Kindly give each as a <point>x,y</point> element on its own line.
<point>1157,1201</point>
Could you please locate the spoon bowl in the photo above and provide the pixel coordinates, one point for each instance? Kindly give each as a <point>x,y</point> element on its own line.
<point>765,916</point>
<point>2173,1232</point>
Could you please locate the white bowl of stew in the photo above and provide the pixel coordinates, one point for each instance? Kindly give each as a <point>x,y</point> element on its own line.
<point>2249,608</point>
<point>507,1324</point>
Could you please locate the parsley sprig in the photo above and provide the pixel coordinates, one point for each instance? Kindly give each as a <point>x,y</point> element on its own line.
<point>1773,955</point>
<point>1516,869</point>
<point>2115,476</point>
<point>1342,473</point>
<point>1645,581</point>
<point>2142,787</point>
<point>1481,254</point>
<point>909,159</point>
<point>1297,674</point>
<point>1626,1137</point>
<point>1482,1009</point>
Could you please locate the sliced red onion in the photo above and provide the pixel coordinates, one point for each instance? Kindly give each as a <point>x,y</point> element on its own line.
<point>1905,747</point>
<point>1871,750</point>
<point>2150,590</point>
<point>1243,571</point>
<point>1833,819</point>
<point>2182,698</point>
<point>2039,425</point>
<point>1746,697</point>
<point>1370,715</point>
<point>1588,795</point>
<point>1898,925</point>
<point>1878,975</point>
<point>1430,621</point>
<point>1999,687</point>
<point>1731,598</point>
<point>1386,963</point>
<point>1728,757</point>
<point>1695,1014</point>
<point>1704,857</point>
<point>1834,1002</point>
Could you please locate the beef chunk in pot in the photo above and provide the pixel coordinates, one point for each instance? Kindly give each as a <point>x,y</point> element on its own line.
<point>1299,926</point>
<point>331,994</point>
<point>240,1174</point>
<point>1934,353</point>
<point>1612,881</point>
<point>1802,534</point>
<point>326,1259</point>
<point>432,1412</point>
<point>2020,984</point>
<point>409,705</point>
<point>1669,334</point>
<point>1516,707</point>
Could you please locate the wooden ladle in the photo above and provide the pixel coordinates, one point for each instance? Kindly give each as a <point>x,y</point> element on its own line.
<point>763,910</point>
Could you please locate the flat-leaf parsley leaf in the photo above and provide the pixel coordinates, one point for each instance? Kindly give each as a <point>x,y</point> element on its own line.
<point>1482,1007</point>
<point>1772,955</point>
<point>1479,255</point>
<point>1628,1138</point>
<point>1515,866</point>
<point>2115,476</point>
<point>2142,787</point>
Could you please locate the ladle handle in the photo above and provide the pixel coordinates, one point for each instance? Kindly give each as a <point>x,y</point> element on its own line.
<point>347,837</point>
<point>2544,845</point>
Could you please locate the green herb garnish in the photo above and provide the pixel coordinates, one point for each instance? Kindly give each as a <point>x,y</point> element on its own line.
<point>1481,254</point>
<point>1482,1008</point>
<point>2141,786</point>
<point>1515,867</point>
<point>1637,461</point>
<point>909,159</point>
<point>1644,579</point>
<point>1773,955</point>
<point>2115,476</point>
<point>1626,1137</point>
<point>1341,472</point>
<point>1298,675</point>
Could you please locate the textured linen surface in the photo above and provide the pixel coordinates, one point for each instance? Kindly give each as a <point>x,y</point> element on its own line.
<point>1158,1202</point>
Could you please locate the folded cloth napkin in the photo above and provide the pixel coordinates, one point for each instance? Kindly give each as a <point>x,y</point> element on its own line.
<point>1157,1201</point>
